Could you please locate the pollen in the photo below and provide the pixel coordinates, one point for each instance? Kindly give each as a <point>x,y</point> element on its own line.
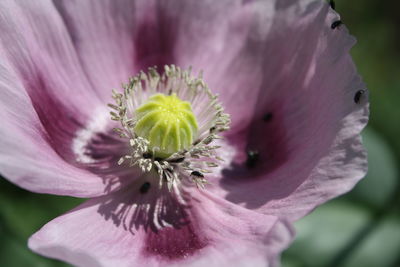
<point>167,122</point>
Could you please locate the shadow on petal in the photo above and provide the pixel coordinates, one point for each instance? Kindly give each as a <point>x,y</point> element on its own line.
<point>170,230</point>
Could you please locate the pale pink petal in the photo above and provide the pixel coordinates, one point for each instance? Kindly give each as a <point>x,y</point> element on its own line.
<point>32,159</point>
<point>309,146</point>
<point>38,52</point>
<point>80,162</point>
<point>27,157</point>
<point>212,36</point>
<point>115,39</point>
<point>156,229</point>
<point>103,33</point>
<point>215,37</point>
<point>51,116</point>
<point>36,42</point>
<point>220,39</point>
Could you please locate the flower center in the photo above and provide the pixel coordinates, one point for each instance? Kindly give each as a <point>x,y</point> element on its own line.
<point>167,122</point>
<point>170,121</point>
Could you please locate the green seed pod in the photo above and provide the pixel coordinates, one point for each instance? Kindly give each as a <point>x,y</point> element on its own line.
<point>167,122</point>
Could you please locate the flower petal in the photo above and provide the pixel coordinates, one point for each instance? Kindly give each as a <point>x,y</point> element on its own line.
<point>213,36</point>
<point>40,56</point>
<point>50,114</point>
<point>38,46</point>
<point>307,124</point>
<point>208,35</point>
<point>27,157</point>
<point>103,33</point>
<point>149,229</point>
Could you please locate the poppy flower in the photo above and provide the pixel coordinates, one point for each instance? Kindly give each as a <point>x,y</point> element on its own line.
<point>235,118</point>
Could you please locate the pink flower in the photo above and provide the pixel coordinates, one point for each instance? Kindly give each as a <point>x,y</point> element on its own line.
<point>282,71</point>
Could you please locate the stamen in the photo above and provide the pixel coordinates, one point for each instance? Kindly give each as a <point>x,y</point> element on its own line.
<point>177,160</point>
<point>150,104</point>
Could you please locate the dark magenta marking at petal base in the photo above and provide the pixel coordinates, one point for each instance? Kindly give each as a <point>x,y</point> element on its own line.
<point>270,140</point>
<point>173,243</point>
<point>154,40</point>
<point>169,225</point>
<point>263,149</point>
<point>59,123</point>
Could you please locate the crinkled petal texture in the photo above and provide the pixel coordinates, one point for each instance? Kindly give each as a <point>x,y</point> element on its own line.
<point>310,111</point>
<point>282,72</point>
<point>45,98</point>
<point>208,35</point>
<point>162,229</point>
<point>60,60</point>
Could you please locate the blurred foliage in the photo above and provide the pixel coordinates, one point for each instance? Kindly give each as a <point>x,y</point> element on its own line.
<point>21,214</point>
<point>361,228</point>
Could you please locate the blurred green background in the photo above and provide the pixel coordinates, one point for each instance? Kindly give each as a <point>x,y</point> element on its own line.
<point>361,228</point>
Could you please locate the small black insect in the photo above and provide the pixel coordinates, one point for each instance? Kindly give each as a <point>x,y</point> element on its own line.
<point>252,158</point>
<point>147,155</point>
<point>145,188</point>
<point>332,4</point>
<point>358,95</point>
<point>197,173</point>
<point>177,160</point>
<point>336,24</point>
<point>212,129</point>
<point>267,117</point>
